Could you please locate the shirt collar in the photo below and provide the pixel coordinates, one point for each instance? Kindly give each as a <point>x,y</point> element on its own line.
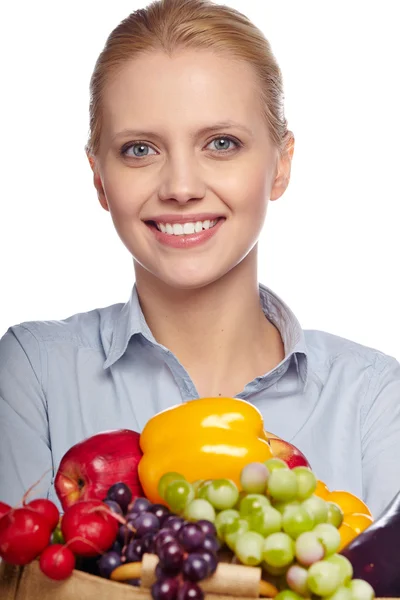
<point>130,321</point>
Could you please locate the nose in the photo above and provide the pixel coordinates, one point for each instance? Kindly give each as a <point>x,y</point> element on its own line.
<point>181,181</point>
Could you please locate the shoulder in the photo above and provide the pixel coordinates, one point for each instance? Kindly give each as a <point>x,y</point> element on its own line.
<point>83,328</point>
<point>29,341</point>
<point>325,349</point>
<point>349,363</point>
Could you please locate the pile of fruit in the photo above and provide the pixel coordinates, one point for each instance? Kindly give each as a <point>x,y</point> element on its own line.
<point>226,501</point>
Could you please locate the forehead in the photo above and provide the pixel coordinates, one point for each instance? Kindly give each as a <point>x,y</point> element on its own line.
<point>191,87</point>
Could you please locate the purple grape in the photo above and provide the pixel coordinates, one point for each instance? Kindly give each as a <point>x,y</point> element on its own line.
<point>190,591</point>
<point>116,547</point>
<point>114,506</point>
<point>207,527</point>
<point>125,534</point>
<point>191,536</point>
<point>161,512</point>
<point>166,589</point>
<point>140,505</point>
<point>174,523</point>
<point>132,554</point>
<point>108,562</point>
<point>163,537</point>
<point>211,544</point>
<point>161,573</point>
<point>195,567</point>
<point>148,543</point>
<point>131,516</point>
<point>135,582</point>
<point>171,556</point>
<point>211,560</point>
<point>146,522</point>
<point>121,493</point>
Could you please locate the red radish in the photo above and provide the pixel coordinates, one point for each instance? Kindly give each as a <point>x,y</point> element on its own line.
<point>24,534</point>
<point>4,509</point>
<point>57,562</point>
<point>92,521</point>
<point>47,509</point>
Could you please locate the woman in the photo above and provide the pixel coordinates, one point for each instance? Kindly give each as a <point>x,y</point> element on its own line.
<point>188,144</point>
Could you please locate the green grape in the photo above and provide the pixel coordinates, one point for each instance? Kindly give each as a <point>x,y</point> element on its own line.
<point>278,550</point>
<point>323,578</point>
<point>222,494</point>
<point>202,489</point>
<point>253,478</point>
<point>196,484</point>
<point>233,530</point>
<point>275,463</point>
<point>282,507</point>
<point>361,590</point>
<point>342,593</point>
<point>282,485</point>
<point>288,595</point>
<point>345,566</point>
<point>318,508</point>
<point>178,494</point>
<point>268,521</point>
<point>335,514</point>
<point>297,521</point>
<point>199,509</point>
<point>248,548</point>
<point>306,482</point>
<point>253,503</point>
<point>329,537</point>
<point>166,479</point>
<point>309,549</point>
<point>224,518</point>
<point>296,578</point>
<point>242,494</point>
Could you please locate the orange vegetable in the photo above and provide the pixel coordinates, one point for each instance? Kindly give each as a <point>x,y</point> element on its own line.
<point>349,503</point>
<point>209,438</point>
<point>357,515</point>
<point>358,521</point>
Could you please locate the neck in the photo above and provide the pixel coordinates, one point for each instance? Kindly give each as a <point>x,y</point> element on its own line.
<point>218,331</point>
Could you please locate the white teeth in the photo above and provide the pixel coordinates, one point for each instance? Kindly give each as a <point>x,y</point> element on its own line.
<point>185,228</point>
<point>189,227</point>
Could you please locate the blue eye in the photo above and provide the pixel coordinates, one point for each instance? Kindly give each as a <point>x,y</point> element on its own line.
<point>141,146</point>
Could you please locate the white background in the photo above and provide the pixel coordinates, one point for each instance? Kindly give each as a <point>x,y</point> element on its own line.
<point>331,244</point>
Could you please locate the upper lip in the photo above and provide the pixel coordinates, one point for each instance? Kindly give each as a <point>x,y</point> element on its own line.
<point>185,218</point>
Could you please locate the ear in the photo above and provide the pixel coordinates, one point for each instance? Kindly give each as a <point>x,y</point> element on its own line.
<point>97,181</point>
<point>283,169</point>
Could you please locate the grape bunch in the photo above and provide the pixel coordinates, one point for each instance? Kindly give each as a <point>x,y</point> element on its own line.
<point>187,554</point>
<point>187,551</point>
<point>275,522</point>
<point>136,536</point>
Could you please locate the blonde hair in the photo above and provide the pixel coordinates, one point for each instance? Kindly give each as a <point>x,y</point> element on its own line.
<point>172,25</point>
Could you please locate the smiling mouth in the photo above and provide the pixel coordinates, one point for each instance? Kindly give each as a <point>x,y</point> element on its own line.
<point>182,229</point>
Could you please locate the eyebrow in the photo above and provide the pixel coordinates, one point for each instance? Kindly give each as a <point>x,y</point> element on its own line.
<point>229,124</point>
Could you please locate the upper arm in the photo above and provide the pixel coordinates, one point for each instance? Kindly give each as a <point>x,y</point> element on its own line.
<point>381,436</point>
<point>25,453</point>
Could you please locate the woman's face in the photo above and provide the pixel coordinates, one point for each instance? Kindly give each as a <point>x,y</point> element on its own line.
<point>158,162</point>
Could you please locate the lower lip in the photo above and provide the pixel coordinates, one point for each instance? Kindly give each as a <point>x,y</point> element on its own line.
<point>187,240</point>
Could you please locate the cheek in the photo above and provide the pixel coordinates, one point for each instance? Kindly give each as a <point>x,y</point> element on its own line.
<point>122,195</point>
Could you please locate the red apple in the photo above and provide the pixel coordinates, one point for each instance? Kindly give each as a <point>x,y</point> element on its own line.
<point>92,466</point>
<point>289,453</point>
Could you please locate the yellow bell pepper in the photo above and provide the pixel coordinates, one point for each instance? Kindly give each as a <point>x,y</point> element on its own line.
<point>356,514</point>
<point>209,438</point>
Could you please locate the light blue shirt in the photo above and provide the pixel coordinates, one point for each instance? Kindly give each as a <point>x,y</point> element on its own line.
<point>62,381</point>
